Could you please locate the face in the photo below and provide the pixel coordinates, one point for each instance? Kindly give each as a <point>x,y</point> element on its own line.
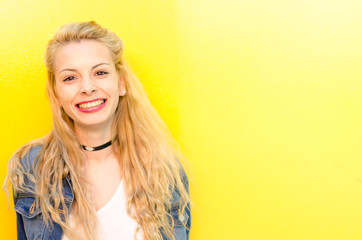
<point>87,83</point>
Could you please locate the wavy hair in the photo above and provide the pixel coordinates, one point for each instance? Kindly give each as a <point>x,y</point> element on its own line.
<point>149,156</point>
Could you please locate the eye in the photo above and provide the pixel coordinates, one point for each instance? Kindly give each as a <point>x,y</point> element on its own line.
<point>70,78</point>
<point>100,73</point>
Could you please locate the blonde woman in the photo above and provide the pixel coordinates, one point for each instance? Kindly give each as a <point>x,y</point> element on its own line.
<point>109,168</point>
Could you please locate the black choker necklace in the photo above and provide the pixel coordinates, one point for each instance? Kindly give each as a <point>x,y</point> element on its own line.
<point>92,149</point>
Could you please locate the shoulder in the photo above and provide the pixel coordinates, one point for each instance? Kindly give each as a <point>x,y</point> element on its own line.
<point>29,157</point>
<point>21,168</point>
<point>176,199</point>
<point>184,179</point>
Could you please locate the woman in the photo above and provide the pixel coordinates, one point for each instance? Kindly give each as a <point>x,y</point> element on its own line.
<point>109,168</point>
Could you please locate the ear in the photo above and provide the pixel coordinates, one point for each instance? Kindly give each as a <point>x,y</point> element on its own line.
<point>122,86</point>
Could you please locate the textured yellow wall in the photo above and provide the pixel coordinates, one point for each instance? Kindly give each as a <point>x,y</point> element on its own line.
<point>264,97</point>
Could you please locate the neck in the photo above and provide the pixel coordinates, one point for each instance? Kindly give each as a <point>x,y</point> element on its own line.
<point>93,137</point>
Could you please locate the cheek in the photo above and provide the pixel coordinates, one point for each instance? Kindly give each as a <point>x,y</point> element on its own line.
<point>113,89</point>
<point>65,97</point>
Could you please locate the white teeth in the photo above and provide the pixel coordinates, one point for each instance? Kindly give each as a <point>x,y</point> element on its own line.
<point>91,104</point>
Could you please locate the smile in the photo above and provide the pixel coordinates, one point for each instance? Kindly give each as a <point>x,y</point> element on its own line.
<point>91,104</point>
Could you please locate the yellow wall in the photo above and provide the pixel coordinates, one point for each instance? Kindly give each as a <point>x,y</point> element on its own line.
<point>264,97</point>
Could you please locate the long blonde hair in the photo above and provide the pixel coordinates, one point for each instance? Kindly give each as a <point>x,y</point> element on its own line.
<point>149,157</point>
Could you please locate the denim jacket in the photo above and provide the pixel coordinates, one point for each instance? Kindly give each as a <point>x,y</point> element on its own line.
<point>30,224</point>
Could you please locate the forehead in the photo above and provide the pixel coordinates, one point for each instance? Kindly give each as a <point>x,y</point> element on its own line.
<point>81,54</point>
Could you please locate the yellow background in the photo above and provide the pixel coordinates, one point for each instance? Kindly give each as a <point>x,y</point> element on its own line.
<point>263,96</point>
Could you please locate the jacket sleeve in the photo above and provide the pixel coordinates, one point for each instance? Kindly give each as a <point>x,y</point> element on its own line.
<point>188,210</point>
<point>19,223</point>
<point>27,162</point>
<point>182,221</point>
<point>20,227</point>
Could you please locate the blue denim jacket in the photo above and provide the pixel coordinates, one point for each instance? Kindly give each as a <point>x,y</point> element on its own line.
<point>30,224</point>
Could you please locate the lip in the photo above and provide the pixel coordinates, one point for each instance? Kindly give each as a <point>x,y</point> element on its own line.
<point>92,109</point>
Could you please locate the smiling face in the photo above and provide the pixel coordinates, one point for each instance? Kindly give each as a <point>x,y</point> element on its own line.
<point>87,83</point>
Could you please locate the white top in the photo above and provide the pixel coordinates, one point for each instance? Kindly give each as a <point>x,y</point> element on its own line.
<point>114,222</point>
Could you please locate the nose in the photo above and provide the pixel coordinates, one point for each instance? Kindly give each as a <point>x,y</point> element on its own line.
<point>87,86</point>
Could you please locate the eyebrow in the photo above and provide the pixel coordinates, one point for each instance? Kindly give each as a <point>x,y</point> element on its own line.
<point>71,69</point>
